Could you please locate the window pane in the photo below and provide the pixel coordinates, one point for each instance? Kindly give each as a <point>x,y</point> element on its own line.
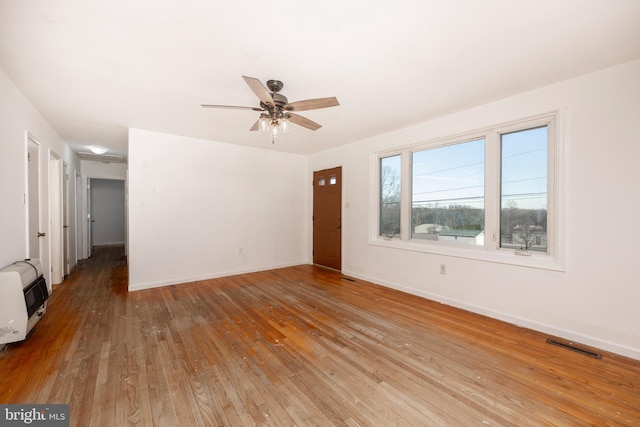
<point>523,219</point>
<point>448,193</point>
<point>390,169</point>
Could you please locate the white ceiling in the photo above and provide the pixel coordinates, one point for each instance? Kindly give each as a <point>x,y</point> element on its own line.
<point>95,68</point>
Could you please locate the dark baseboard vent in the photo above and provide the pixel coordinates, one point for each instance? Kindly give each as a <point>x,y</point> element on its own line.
<point>348,278</point>
<point>570,346</point>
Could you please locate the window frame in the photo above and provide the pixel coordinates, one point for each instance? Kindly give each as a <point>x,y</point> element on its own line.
<point>491,251</point>
<point>379,191</point>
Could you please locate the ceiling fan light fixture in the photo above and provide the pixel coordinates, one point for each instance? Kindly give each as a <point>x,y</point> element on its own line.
<point>98,150</point>
<point>284,125</point>
<point>263,123</point>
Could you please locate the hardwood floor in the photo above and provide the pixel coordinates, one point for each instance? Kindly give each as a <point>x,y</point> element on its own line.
<point>298,346</point>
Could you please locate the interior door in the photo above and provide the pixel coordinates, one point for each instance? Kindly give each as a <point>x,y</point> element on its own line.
<point>89,221</point>
<point>65,219</point>
<point>327,218</point>
<point>79,243</point>
<point>55,218</point>
<point>34,234</point>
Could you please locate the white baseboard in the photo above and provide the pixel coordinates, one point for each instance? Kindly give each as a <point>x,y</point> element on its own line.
<point>108,244</point>
<point>191,279</point>
<point>596,342</point>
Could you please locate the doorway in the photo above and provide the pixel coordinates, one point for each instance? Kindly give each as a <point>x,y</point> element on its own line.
<point>107,212</point>
<point>327,218</point>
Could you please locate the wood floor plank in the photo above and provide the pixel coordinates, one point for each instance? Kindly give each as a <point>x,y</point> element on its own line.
<point>298,346</point>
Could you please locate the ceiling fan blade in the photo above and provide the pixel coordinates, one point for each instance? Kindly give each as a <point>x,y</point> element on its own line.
<point>303,121</point>
<point>233,107</point>
<point>312,104</point>
<point>261,92</point>
<point>255,126</point>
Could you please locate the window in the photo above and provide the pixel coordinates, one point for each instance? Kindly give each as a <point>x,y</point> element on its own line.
<point>390,196</point>
<point>491,195</point>
<point>447,201</point>
<point>523,195</point>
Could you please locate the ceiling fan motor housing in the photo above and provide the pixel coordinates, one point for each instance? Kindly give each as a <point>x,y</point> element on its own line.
<point>279,100</point>
<point>275,85</point>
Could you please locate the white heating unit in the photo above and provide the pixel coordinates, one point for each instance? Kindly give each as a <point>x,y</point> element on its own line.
<point>23,299</point>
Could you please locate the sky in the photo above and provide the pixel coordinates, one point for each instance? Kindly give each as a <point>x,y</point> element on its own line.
<point>454,174</point>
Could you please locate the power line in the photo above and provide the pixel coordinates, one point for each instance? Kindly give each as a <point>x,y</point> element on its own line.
<point>450,169</point>
<point>478,186</point>
<point>450,189</point>
<point>518,196</point>
<point>478,163</point>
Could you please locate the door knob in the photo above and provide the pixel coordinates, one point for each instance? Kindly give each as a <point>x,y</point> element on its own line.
<point>41,234</point>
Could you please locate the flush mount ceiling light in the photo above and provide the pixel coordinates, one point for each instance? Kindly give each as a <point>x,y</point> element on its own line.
<point>98,150</point>
<point>276,109</point>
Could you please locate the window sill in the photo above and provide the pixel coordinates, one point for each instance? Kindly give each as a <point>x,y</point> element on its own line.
<point>503,256</point>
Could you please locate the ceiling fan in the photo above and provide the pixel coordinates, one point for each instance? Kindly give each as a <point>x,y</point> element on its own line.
<point>276,110</point>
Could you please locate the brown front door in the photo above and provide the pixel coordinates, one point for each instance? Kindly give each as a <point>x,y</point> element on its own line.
<point>327,218</point>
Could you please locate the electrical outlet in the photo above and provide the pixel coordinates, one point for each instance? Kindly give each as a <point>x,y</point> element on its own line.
<point>443,269</point>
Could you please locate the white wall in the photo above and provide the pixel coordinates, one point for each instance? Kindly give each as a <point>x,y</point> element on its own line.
<point>91,169</point>
<point>17,115</point>
<point>200,209</point>
<point>595,301</point>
